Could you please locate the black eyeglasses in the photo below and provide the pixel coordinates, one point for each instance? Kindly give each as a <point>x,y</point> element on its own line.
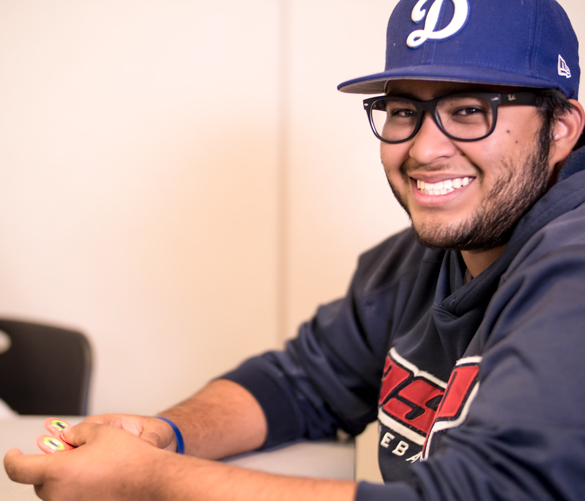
<point>461,116</point>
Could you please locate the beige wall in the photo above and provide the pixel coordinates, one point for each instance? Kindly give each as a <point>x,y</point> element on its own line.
<point>181,180</point>
<point>339,200</point>
<point>138,154</point>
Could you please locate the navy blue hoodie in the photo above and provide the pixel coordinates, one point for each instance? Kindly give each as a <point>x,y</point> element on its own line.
<point>479,388</point>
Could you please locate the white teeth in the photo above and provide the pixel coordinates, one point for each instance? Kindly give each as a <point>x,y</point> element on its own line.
<point>442,187</point>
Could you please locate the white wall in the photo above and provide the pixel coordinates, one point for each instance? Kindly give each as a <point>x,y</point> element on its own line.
<point>181,179</point>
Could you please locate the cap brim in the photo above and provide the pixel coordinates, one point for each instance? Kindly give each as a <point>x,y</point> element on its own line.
<point>376,84</point>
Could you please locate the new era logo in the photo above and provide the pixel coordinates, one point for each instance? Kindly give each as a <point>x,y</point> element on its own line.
<point>564,69</point>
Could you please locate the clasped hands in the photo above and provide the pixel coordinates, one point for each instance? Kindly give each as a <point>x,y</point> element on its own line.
<point>117,457</point>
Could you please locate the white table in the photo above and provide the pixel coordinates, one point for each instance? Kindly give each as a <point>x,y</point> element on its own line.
<point>325,459</point>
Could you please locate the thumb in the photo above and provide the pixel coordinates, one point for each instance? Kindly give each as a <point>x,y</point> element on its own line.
<point>29,469</point>
<point>159,433</point>
<point>153,438</point>
<point>79,434</point>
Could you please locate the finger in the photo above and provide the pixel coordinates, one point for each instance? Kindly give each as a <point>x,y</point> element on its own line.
<point>106,419</point>
<point>127,422</point>
<point>25,469</point>
<point>80,434</point>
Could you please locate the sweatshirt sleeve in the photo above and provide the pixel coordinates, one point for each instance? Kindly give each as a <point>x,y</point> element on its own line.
<point>311,388</point>
<point>328,377</point>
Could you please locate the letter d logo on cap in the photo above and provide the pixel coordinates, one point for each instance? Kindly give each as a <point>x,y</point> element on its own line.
<point>419,37</point>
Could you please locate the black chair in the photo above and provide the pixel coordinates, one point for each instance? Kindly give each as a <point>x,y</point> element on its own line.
<point>46,370</point>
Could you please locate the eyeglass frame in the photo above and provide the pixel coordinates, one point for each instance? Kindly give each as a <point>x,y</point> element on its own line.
<point>495,99</point>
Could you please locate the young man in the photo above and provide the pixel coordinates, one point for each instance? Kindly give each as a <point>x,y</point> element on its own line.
<point>463,336</point>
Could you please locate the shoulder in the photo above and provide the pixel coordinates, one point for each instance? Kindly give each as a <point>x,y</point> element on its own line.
<point>561,241</point>
<point>541,293</point>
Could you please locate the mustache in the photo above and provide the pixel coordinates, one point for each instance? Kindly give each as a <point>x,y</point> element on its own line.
<point>411,166</point>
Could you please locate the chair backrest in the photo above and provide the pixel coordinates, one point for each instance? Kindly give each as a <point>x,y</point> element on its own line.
<point>45,370</point>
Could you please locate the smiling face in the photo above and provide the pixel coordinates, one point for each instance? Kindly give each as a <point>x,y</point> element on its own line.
<point>467,195</point>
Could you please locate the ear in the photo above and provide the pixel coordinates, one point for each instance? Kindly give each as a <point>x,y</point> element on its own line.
<point>566,132</point>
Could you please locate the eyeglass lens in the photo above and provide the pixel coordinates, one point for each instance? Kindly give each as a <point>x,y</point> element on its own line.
<point>462,117</point>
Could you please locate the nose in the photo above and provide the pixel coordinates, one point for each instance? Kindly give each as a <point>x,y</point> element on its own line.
<point>430,144</point>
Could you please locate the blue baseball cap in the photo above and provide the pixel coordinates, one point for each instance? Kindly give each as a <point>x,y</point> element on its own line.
<point>520,43</point>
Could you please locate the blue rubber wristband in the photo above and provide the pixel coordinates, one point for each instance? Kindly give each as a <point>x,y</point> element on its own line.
<point>178,436</point>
